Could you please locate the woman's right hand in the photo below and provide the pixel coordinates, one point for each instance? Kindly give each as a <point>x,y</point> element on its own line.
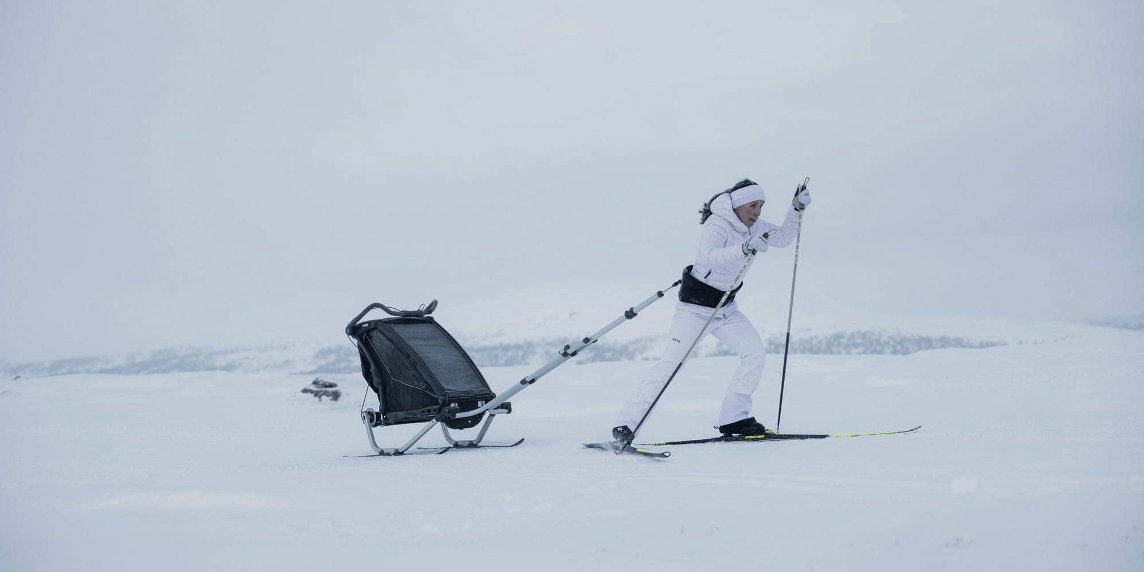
<point>755,244</point>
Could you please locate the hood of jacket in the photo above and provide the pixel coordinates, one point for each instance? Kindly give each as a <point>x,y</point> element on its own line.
<point>721,207</point>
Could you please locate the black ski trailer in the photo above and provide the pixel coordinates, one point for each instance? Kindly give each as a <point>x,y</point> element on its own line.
<point>420,374</point>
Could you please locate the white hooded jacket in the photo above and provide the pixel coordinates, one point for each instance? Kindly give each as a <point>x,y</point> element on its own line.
<point>720,254</point>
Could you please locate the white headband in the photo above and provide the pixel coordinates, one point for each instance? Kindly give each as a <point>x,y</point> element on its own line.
<point>749,193</point>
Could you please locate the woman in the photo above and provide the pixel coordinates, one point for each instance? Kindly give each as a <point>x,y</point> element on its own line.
<point>731,230</point>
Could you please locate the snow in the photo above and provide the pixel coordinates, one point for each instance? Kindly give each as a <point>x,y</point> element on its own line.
<point>1030,458</point>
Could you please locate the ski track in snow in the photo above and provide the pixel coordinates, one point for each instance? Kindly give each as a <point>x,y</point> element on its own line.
<point>1030,458</point>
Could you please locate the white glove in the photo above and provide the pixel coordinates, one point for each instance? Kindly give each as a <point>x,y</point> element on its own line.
<point>755,244</point>
<point>801,199</point>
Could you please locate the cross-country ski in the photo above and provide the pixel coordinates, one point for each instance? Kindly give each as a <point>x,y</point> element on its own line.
<point>629,450</point>
<point>768,437</point>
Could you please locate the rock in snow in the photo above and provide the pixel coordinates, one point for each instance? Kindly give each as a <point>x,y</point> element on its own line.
<point>321,388</point>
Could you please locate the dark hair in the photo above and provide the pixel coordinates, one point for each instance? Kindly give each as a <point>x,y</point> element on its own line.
<point>705,212</point>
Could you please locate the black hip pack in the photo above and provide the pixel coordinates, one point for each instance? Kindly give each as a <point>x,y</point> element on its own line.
<point>696,291</point>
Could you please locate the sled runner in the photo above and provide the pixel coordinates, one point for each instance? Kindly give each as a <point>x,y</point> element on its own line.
<point>420,374</point>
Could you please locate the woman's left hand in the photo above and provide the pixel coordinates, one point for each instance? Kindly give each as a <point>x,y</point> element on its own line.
<point>801,199</point>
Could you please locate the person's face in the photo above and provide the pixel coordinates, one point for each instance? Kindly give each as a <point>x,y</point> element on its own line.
<point>749,213</point>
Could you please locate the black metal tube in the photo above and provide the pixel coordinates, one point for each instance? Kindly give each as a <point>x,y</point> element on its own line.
<point>790,314</point>
<point>424,311</point>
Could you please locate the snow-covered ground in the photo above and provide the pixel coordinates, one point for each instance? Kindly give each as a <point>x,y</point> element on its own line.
<point>1031,458</point>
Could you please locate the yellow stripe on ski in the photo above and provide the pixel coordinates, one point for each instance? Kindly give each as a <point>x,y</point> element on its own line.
<point>880,433</point>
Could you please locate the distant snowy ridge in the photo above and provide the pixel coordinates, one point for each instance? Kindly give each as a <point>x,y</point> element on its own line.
<point>1131,323</point>
<point>649,347</point>
<point>535,332</point>
<point>343,358</point>
<point>279,357</point>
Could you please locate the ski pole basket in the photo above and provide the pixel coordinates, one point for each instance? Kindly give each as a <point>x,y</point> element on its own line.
<point>420,374</point>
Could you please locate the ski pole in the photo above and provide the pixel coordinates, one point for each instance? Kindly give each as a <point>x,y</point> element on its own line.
<point>790,312</point>
<point>723,300</point>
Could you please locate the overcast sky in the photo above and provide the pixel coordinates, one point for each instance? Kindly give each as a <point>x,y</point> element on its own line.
<point>233,172</point>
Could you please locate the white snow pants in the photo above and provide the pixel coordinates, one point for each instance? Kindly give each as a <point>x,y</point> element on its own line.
<point>732,328</point>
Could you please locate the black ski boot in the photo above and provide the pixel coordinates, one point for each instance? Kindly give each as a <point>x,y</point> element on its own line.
<point>622,437</point>
<point>746,427</point>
